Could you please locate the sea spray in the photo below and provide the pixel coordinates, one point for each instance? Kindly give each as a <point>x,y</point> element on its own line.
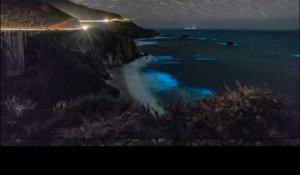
<point>136,87</point>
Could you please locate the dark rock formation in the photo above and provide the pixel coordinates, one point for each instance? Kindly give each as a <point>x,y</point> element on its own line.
<point>85,13</point>
<point>61,65</point>
<point>132,29</point>
<point>186,36</point>
<point>229,43</point>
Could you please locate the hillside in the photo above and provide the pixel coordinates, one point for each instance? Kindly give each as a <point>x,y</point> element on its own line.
<point>81,12</point>
<point>28,14</point>
<point>84,13</point>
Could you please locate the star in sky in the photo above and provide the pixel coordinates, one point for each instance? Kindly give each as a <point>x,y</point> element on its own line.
<point>247,14</point>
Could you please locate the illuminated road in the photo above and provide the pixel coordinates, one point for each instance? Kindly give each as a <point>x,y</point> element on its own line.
<point>104,20</point>
<point>83,27</point>
<point>34,29</point>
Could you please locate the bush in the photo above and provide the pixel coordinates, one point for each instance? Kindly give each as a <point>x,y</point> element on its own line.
<point>246,116</point>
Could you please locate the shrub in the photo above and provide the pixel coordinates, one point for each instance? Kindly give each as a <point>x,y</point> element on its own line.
<point>16,106</point>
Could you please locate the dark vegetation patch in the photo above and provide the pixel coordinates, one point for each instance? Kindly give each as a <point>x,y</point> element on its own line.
<point>247,116</point>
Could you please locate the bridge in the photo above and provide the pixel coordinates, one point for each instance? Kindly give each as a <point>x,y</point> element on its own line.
<point>12,48</point>
<point>13,44</point>
<point>14,40</point>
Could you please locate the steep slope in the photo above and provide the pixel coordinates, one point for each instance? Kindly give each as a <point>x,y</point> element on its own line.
<point>69,64</point>
<point>84,13</point>
<point>81,12</point>
<point>33,14</point>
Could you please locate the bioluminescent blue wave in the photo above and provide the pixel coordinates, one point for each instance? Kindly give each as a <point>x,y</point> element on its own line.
<point>171,62</point>
<point>224,57</point>
<point>204,59</point>
<point>162,82</point>
<point>165,59</point>
<point>296,55</point>
<point>200,57</point>
<point>201,38</point>
<point>159,81</point>
<point>199,93</point>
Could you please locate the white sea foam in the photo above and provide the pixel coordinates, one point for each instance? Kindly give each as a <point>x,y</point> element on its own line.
<point>142,85</point>
<point>201,38</point>
<point>296,55</point>
<point>145,43</point>
<point>200,57</point>
<point>136,86</point>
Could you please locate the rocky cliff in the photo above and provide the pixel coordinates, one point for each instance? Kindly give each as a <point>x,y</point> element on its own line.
<point>62,65</point>
<point>82,12</point>
<point>33,14</point>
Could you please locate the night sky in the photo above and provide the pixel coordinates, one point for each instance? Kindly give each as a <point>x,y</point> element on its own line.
<point>221,14</point>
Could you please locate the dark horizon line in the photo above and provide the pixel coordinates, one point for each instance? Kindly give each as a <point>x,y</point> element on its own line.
<point>227,29</point>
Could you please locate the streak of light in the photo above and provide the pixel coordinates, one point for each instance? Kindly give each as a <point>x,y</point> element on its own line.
<point>38,29</point>
<point>105,20</point>
<point>85,27</point>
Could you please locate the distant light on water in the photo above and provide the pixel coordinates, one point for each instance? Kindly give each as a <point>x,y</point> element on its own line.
<point>106,20</point>
<point>296,55</point>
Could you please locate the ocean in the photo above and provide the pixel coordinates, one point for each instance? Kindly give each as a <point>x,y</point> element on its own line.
<point>189,65</point>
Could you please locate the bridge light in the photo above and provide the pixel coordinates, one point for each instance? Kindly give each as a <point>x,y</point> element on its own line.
<point>106,20</point>
<point>85,27</point>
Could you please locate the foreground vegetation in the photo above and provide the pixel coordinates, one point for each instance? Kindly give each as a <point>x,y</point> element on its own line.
<point>244,116</point>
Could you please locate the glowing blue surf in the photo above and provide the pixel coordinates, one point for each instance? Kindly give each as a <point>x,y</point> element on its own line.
<point>200,57</point>
<point>201,38</point>
<point>165,59</point>
<point>199,93</point>
<point>204,59</point>
<point>159,81</point>
<point>171,62</point>
<point>162,82</point>
<point>296,55</point>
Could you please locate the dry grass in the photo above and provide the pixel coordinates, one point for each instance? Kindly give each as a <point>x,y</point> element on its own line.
<point>246,116</point>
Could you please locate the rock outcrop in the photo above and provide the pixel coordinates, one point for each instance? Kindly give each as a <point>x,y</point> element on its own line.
<point>61,65</point>
<point>85,13</point>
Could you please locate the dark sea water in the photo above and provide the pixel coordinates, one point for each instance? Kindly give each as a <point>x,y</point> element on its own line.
<point>199,65</point>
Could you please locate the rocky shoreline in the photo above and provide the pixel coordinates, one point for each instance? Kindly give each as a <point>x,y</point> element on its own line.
<point>117,81</point>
